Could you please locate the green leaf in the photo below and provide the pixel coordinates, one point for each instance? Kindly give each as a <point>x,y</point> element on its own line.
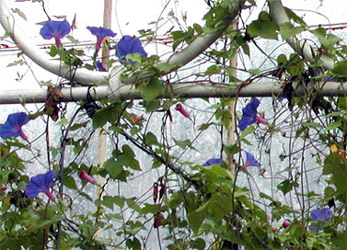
<point>196,218</point>
<point>287,30</point>
<point>286,186</point>
<point>311,125</point>
<point>150,208</point>
<point>282,59</point>
<point>150,139</point>
<point>110,201</point>
<point>263,27</point>
<point>133,244</point>
<point>205,126</point>
<point>127,158</point>
<point>247,131</point>
<point>109,114</point>
<point>334,125</point>
<point>152,89</point>
<point>183,144</point>
<point>114,169</point>
<point>327,40</point>
<point>245,49</point>
<point>232,149</point>
<point>69,182</point>
<point>340,69</point>
<point>330,163</point>
<point>339,240</point>
<point>291,14</point>
<point>151,105</point>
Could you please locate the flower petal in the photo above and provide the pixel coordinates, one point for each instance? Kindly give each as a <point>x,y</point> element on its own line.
<point>321,214</point>
<point>101,32</point>
<point>129,45</point>
<point>249,114</point>
<point>13,125</point>
<point>213,161</point>
<point>32,190</point>
<point>56,29</point>
<point>40,183</point>
<point>251,161</point>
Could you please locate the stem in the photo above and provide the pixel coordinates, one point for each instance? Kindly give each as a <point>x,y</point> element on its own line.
<point>61,173</point>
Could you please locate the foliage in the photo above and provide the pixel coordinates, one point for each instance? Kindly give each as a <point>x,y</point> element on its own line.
<point>216,205</point>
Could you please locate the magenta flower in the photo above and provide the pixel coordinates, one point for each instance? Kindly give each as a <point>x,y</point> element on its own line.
<point>100,34</point>
<point>87,177</point>
<point>40,183</point>
<point>129,45</point>
<point>320,214</point>
<point>250,161</point>
<point>56,30</point>
<point>286,223</point>
<point>13,126</point>
<point>249,115</point>
<point>180,108</point>
<point>213,161</point>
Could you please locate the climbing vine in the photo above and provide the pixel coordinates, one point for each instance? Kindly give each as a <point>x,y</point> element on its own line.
<point>168,181</point>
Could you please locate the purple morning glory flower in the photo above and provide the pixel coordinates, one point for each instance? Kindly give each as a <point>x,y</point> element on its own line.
<point>100,67</point>
<point>56,30</point>
<point>129,45</point>
<point>40,183</point>
<point>250,161</point>
<point>249,115</point>
<point>13,126</point>
<point>213,161</point>
<point>320,214</point>
<point>100,34</point>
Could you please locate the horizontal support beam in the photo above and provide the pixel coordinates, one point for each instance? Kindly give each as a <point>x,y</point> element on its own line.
<point>201,90</point>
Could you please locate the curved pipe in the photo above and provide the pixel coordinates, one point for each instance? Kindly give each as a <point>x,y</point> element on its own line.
<point>87,77</point>
<point>82,76</point>
<point>301,46</point>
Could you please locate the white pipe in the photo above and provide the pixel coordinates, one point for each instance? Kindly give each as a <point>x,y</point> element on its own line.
<point>201,90</point>
<point>301,46</point>
<point>41,58</point>
<point>87,77</point>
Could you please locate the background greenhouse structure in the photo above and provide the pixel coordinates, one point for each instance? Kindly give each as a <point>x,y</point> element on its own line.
<point>201,124</point>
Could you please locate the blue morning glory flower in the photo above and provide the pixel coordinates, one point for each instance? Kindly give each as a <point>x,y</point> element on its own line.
<point>249,115</point>
<point>13,126</point>
<point>320,214</point>
<point>100,67</point>
<point>100,34</point>
<point>250,161</point>
<point>129,45</point>
<point>213,161</point>
<point>56,30</point>
<point>40,183</point>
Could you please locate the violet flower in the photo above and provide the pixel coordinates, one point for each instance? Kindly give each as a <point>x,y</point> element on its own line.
<point>13,126</point>
<point>56,30</point>
<point>249,115</point>
<point>250,161</point>
<point>320,214</point>
<point>213,161</point>
<point>100,34</point>
<point>40,183</point>
<point>180,108</point>
<point>87,177</point>
<point>100,67</point>
<point>129,45</point>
